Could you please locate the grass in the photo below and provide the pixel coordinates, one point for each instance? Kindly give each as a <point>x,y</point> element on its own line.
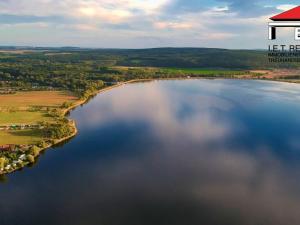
<point>23,100</point>
<point>208,72</point>
<point>20,137</point>
<point>23,117</point>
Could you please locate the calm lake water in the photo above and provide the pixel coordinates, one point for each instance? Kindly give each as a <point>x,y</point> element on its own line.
<point>190,152</point>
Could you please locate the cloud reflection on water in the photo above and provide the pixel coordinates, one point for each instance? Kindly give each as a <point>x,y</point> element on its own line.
<point>190,164</point>
<point>169,114</point>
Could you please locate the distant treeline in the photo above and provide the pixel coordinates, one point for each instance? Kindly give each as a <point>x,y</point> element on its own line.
<point>160,57</point>
<point>163,57</point>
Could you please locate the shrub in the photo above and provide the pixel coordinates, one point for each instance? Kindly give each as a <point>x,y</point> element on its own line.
<point>2,162</point>
<point>34,150</point>
<point>42,144</point>
<point>30,158</point>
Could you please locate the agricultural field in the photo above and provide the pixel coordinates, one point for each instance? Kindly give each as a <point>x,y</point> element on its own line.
<point>20,137</point>
<point>207,72</point>
<point>29,108</point>
<point>23,117</point>
<point>25,100</point>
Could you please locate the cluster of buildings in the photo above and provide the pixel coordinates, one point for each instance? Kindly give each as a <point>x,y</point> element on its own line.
<point>7,148</point>
<point>12,148</point>
<point>19,127</point>
<point>21,156</point>
<point>13,165</point>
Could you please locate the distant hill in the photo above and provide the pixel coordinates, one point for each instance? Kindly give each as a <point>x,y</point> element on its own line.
<point>163,57</point>
<point>195,57</point>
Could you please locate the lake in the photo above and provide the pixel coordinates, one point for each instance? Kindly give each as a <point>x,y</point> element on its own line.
<point>189,152</point>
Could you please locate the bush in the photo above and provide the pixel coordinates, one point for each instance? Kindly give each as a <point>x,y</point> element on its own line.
<point>58,130</point>
<point>66,105</point>
<point>2,162</point>
<point>30,158</point>
<point>42,144</point>
<point>34,150</point>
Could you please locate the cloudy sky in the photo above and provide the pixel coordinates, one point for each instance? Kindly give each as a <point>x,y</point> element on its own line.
<point>139,23</point>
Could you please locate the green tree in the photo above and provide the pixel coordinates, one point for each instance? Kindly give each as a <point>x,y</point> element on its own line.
<point>30,158</point>
<point>2,162</point>
<point>34,150</point>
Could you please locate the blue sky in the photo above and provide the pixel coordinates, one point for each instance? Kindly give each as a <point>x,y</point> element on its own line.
<point>139,23</point>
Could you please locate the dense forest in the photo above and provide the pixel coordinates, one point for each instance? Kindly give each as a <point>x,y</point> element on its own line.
<point>158,57</point>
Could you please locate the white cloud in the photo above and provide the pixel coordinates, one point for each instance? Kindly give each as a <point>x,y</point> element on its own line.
<point>128,20</point>
<point>217,36</point>
<point>286,7</point>
<point>220,9</point>
<point>172,25</point>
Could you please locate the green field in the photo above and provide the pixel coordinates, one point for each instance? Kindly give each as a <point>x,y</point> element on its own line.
<point>23,117</point>
<point>24,100</point>
<point>20,137</point>
<point>206,72</point>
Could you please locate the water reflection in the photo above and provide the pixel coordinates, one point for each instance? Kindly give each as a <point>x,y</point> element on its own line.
<point>172,152</point>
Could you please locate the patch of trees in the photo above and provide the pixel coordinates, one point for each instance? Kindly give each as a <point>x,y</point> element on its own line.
<point>57,130</point>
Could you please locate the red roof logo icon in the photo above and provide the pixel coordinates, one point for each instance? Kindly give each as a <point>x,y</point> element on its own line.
<point>290,15</point>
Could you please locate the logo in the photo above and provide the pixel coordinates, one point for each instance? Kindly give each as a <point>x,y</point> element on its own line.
<point>285,52</point>
<point>290,18</point>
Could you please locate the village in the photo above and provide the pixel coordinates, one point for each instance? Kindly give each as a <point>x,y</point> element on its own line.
<point>14,156</point>
<point>20,127</point>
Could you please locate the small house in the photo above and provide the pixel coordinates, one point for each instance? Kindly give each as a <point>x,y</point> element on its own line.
<point>4,148</point>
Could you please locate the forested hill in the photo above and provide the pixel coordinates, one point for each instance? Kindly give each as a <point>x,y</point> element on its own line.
<point>195,57</point>
<point>159,57</point>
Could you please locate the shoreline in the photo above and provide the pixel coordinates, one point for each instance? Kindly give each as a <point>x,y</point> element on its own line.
<point>84,101</point>
<point>72,122</point>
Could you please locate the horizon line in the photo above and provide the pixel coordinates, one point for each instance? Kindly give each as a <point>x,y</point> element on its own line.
<point>103,48</point>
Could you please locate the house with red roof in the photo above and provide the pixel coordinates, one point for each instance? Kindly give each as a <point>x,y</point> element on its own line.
<point>290,18</point>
